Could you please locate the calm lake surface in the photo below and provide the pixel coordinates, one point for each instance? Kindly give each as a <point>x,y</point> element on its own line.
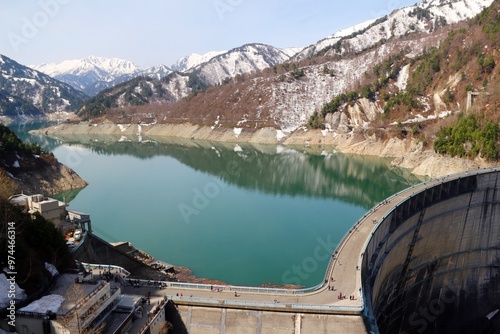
<point>242,214</point>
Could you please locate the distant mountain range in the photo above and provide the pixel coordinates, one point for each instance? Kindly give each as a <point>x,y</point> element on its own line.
<point>296,87</point>
<point>219,68</point>
<point>94,74</point>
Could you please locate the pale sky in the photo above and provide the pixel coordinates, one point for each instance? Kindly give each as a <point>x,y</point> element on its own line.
<point>153,32</point>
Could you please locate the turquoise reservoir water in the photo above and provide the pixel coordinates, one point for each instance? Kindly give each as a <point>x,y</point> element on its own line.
<point>242,214</point>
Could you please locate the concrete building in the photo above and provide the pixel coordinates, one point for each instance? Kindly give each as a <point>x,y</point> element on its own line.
<point>75,305</point>
<point>51,209</point>
<point>81,304</point>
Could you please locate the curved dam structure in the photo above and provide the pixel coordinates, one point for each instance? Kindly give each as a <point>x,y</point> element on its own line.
<point>432,264</point>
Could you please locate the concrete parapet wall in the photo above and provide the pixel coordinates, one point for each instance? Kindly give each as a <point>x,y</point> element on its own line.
<point>433,262</point>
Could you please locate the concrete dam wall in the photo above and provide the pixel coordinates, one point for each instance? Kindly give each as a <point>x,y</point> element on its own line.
<point>432,264</point>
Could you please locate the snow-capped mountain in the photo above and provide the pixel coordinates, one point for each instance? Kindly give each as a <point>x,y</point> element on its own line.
<point>112,66</point>
<point>425,17</point>
<point>241,60</point>
<point>193,60</point>
<point>290,99</point>
<point>157,72</point>
<point>177,85</point>
<point>138,91</point>
<point>27,92</point>
<point>93,74</point>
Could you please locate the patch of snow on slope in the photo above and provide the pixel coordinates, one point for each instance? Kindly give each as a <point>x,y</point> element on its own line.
<point>280,135</point>
<point>123,139</point>
<point>46,303</point>
<point>216,122</point>
<point>122,127</point>
<point>290,52</point>
<point>403,76</point>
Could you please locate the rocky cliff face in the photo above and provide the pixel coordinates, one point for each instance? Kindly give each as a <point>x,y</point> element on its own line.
<point>26,168</point>
<point>49,179</point>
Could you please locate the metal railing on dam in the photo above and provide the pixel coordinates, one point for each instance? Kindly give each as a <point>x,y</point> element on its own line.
<point>219,300</point>
<point>267,306</point>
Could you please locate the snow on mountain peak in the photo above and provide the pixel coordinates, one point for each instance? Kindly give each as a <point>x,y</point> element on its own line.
<point>157,72</point>
<point>290,52</point>
<point>348,31</point>
<point>399,23</point>
<point>194,60</point>
<point>115,66</point>
<point>93,73</point>
<point>112,66</point>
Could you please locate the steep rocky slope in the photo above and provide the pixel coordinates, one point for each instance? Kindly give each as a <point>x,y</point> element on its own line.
<point>26,168</point>
<point>424,17</point>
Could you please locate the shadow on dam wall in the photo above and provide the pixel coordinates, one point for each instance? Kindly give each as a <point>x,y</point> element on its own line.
<point>433,263</point>
<point>97,251</point>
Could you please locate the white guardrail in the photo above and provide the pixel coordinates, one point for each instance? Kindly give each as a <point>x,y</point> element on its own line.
<point>266,305</point>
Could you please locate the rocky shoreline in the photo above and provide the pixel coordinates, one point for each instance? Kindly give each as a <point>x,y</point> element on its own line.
<point>406,153</point>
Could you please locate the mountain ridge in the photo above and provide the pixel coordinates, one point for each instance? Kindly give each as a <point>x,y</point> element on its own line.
<point>218,70</point>
<point>286,95</point>
<point>193,60</point>
<point>25,92</point>
<point>425,16</point>
<point>411,25</point>
<point>93,74</point>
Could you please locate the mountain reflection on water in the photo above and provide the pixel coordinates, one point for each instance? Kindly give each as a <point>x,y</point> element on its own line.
<point>278,170</point>
<point>266,208</point>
